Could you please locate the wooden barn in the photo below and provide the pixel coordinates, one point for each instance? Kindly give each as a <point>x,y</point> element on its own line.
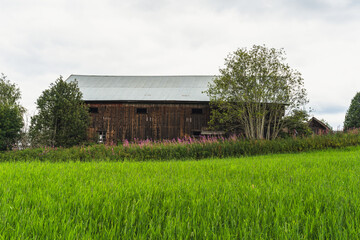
<point>317,126</point>
<point>145,107</point>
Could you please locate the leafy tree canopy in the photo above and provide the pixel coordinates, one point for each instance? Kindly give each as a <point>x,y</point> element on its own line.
<point>352,117</point>
<point>9,93</point>
<point>11,112</point>
<point>252,91</point>
<point>327,124</point>
<point>297,123</point>
<point>62,118</point>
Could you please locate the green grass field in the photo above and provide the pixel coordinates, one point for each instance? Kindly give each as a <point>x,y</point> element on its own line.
<point>290,196</point>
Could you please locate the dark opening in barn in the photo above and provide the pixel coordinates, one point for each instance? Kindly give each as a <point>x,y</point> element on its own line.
<point>196,111</point>
<point>141,110</point>
<point>93,110</point>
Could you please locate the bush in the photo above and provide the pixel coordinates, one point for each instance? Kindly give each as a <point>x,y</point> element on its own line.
<point>182,149</point>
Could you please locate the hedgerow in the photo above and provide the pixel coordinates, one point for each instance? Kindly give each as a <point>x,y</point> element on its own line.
<point>181,149</point>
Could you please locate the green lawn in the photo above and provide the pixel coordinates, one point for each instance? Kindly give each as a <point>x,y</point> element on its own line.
<point>290,196</point>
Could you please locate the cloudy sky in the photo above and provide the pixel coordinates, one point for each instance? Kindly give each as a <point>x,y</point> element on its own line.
<point>41,40</point>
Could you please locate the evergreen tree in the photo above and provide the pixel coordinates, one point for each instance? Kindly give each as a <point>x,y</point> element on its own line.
<point>352,117</point>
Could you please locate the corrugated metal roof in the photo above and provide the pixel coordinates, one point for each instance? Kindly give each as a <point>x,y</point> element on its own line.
<point>142,88</point>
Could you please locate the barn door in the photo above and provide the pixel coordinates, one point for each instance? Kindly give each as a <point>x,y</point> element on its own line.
<point>197,119</point>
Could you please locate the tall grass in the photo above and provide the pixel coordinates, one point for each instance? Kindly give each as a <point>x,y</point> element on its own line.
<point>290,196</point>
<point>187,148</point>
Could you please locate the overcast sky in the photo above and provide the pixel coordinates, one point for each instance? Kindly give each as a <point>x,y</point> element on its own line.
<point>41,40</point>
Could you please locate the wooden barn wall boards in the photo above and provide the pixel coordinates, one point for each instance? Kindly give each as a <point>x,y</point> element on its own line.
<point>118,121</point>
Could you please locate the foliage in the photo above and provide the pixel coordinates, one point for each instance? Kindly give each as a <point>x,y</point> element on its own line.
<point>11,123</point>
<point>286,196</point>
<point>327,124</point>
<point>25,141</point>
<point>182,149</point>
<point>11,112</point>
<point>62,118</point>
<point>251,92</point>
<point>297,123</point>
<point>352,117</point>
<point>9,93</point>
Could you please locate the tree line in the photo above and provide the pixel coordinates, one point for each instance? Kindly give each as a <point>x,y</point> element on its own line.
<point>257,94</point>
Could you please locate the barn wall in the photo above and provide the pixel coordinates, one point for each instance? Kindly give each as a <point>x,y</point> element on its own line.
<point>161,121</point>
<point>317,128</point>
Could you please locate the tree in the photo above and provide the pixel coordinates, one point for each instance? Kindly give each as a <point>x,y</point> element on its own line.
<point>25,141</point>
<point>352,117</point>
<point>252,91</point>
<point>327,124</point>
<point>62,118</point>
<point>297,123</point>
<point>11,112</point>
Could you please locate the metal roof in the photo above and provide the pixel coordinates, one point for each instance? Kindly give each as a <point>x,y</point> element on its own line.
<point>143,88</point>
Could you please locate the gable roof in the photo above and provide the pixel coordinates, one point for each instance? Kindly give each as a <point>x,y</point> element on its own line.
<point>314,120</point>
<point>143,88</point>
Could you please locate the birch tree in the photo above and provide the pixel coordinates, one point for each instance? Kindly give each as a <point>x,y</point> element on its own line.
<point>254,91</point>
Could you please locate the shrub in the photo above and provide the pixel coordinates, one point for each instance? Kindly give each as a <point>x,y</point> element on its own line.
<point>182,149</point>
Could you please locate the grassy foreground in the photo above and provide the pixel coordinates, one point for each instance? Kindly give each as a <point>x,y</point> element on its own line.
<point>290,196</point>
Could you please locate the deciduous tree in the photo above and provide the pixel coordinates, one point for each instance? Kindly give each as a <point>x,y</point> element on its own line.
<point>11,112</point>
<point>297,123</point>
<point>252,92</point>
<point>62,118</point>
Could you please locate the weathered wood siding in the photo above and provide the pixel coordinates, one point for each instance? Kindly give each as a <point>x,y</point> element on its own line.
<point>317,127</point>
<point>161,121</point>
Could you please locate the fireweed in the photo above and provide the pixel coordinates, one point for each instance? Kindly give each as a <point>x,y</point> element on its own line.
<point>184,148</point>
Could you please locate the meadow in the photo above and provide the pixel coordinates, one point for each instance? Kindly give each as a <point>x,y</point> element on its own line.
<point>313,195</point>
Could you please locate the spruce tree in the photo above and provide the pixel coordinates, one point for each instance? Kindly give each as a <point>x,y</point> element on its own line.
<point>352,117</point>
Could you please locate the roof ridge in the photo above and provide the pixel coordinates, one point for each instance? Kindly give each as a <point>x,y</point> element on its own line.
<point>95,75</point>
